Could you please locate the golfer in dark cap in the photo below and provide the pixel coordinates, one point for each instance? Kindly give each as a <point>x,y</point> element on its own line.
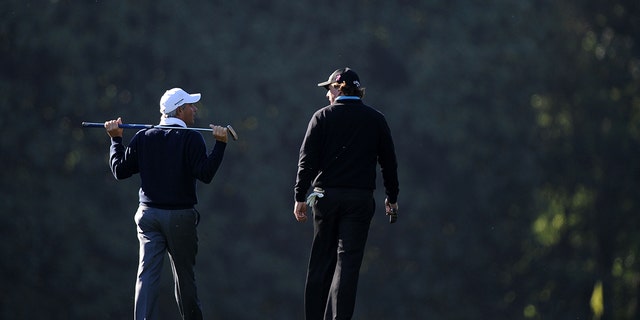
<point>344,143</point>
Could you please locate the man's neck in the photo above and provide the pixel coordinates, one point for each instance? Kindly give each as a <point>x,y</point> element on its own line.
<point>172,121</point>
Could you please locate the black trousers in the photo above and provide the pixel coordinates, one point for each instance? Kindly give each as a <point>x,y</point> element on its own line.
<point>341,227</point>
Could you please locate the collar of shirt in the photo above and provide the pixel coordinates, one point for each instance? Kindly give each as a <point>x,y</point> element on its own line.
<point>347,98</point>
<point>171,121</point>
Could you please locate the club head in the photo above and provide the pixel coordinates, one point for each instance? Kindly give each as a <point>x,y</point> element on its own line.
<point>232,132</point>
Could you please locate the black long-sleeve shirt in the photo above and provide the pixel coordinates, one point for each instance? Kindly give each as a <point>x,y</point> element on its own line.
<point>169,162</point>
<point>343,144</point>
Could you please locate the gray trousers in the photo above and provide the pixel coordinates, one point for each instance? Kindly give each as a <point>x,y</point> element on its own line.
<point>173,232</point>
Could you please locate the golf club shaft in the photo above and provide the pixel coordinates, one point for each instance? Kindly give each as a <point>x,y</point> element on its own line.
<point>141,126</point>
<point>230,130</point>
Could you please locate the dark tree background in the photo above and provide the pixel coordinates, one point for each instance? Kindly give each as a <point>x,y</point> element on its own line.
<point>517,128</point>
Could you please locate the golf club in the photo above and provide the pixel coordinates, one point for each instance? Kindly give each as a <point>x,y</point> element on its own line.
<point>232,132</point>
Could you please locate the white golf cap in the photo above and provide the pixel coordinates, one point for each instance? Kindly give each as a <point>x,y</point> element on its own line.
<point>176,97</point>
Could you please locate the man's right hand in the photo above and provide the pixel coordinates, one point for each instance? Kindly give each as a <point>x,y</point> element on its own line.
<point>300,211</point>
<point>112,128</point>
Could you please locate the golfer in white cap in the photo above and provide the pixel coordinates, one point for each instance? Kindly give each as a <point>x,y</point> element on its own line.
<point>169,162</point>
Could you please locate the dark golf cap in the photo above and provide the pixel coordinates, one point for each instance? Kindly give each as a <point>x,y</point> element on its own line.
<point>342,75</point>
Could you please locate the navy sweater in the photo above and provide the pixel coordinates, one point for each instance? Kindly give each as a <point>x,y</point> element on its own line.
<point>169,162</point>
<point>343,144</point>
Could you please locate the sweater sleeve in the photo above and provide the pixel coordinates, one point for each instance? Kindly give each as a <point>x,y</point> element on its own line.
<point>388,164</point>
<point>123,160</point>
<point>308,161</point>
<point>204,165</point>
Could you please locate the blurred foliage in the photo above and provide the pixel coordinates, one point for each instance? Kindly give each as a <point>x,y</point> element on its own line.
<point>517,128</point>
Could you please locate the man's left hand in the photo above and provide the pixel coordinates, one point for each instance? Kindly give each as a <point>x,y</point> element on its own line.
<point>220,133</point>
